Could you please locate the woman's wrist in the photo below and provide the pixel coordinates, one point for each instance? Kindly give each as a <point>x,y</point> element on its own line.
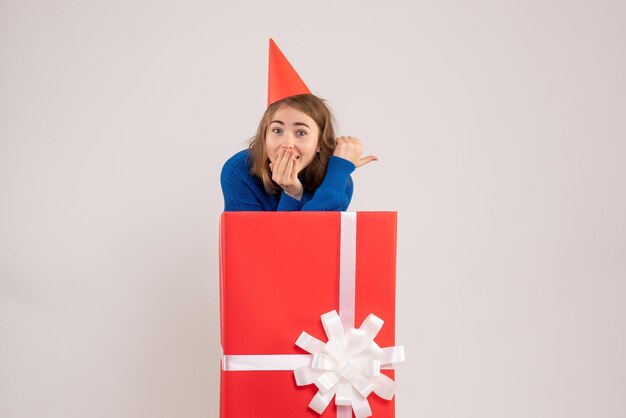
<point>337,174</point>
<point>288,203</point>
<point>342,162</point>
<point>294,192</point>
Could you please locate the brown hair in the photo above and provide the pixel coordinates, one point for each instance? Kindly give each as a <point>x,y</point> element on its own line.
<point>314,173</point>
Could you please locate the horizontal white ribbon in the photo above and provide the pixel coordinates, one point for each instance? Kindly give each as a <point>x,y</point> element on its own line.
<point>269,362</point>
<point>265,362</point>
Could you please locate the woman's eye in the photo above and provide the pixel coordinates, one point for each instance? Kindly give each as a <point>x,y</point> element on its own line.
<point>277,130</point>
<point>301,133</point>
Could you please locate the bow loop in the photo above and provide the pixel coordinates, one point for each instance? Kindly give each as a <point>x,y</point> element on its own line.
<point>332,325</point>
<point>309,343</point>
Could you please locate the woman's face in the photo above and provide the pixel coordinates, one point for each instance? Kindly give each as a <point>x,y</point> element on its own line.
<point>291,128</point>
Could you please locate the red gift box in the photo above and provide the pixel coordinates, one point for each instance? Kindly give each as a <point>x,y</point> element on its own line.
<point>278,273</point>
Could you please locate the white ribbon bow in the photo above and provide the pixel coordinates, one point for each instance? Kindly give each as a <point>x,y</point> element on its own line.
<point>348,366</point>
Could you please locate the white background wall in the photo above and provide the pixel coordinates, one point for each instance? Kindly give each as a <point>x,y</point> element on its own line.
<point>501,132</point>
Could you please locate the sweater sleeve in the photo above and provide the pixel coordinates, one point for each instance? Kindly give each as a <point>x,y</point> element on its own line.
<point>288,203</point>
<point>238,194</point>
<point>335,192</point>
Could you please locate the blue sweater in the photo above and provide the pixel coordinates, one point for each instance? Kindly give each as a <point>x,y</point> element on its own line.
<point>245,192</point>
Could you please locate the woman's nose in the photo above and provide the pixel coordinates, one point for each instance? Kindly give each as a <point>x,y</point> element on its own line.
<point>288,141</point>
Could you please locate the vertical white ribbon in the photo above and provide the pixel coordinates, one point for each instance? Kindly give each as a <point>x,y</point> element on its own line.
<point>347,269</point>
<point>347,283</point>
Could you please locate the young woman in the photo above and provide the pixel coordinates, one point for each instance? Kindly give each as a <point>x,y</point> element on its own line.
<point>294,163</point>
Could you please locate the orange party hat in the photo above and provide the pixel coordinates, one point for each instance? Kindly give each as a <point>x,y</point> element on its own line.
<point>283,80</point>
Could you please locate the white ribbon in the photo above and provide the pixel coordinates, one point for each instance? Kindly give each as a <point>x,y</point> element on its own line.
<point>264,362</point>
<point>346,367</point>
<point>347,269</point>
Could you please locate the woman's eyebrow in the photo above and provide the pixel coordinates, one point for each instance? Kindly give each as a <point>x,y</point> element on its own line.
<point>294,124</point>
